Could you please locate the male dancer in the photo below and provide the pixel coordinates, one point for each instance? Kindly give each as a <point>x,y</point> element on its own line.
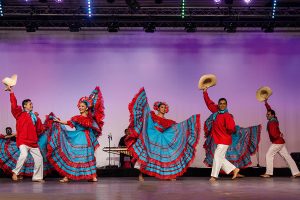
<point>277,146</point>
<point>223,126</point>
<point>28,127</point>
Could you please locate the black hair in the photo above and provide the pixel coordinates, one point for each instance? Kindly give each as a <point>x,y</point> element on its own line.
<point>272,112</point>
<point>222,99</point>
<point>86,104</point>
<point>8,130</point>
<point>161,103</point>
<point>25,101</point>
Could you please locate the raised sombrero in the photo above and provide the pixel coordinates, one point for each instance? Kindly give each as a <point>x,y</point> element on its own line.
<point>263,93</point>
<point>10,81</point>
<point>206,81</point>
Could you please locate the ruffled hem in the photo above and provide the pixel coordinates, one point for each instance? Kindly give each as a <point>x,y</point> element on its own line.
<point>247,152</point>
<point>132,137</point>
<point>28,166</point>
<point>131,106</point>
<point>7,170</point>
<point>63,172</point>
<point>246,166</point>
<point>65,160</point>
<point>99,111</point>
<point>132,140</point>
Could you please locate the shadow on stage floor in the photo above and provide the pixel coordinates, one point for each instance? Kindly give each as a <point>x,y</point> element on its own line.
<point>194,172</point>
<point>191,172</point>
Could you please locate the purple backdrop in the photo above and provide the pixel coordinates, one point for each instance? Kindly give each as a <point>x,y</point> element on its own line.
<point>56,68</point>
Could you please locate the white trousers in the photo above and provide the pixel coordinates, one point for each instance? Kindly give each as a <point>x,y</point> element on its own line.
<point>220,161</point>
<point>38,161</point>
<point>137,165</point>
<point>281,149</point>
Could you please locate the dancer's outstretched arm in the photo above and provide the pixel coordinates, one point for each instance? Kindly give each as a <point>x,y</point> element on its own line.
<point>268,107</point>
<point>15,109</point>
<point>62,122</point>
<point>209,103</point>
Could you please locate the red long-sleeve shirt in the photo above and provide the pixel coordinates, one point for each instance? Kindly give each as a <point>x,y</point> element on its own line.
<point>27,132</point>
<point>223,126</point>
<point>273,129</point>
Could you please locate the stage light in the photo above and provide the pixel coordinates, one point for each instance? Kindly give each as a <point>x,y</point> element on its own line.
<point>230,28</point>
<point>150,27</point>
<point>113,27</point>
<point>182,9</point>
<point>274,8</point>
<point>74,27</point>
<point>58,1</point>
<point>247,1</point>
<point>1,11</point>
<point>217,1</point>
<point>89,8</point>
<point>133,5</point>
<point>190,27</point>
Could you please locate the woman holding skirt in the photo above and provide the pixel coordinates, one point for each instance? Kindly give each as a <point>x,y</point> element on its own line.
<point>72,152</point>
<point>163,148</point>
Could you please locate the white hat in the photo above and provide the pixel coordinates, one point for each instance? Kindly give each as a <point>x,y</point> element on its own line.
<point>206,81</point>
<point>10,82</point>
<point>263,93</point>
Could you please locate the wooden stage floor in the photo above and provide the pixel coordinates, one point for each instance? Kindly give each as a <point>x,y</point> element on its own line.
<point>128,188</point>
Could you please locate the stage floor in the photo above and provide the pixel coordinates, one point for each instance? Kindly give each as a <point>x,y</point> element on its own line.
<point>186,188</point>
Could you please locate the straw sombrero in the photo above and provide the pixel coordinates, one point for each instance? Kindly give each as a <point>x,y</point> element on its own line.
<point>10,81</point>
<point>206,81</point>
<point>263,93</point>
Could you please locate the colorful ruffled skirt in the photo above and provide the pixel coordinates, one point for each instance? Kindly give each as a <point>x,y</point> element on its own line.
<point>9,154</point>
<point>165,154</point>
<point>72,152</point>
<point>244,144</point>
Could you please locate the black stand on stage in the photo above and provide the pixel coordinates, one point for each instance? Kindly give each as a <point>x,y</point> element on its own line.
<point>109,139</point>
<point>257,158</point>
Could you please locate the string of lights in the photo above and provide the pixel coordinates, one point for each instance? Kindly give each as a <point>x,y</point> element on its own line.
<point>182,9</point>
<point>191,15</point>
<point>89,8</point>
<point>1,10</point>
<point>274,9</point>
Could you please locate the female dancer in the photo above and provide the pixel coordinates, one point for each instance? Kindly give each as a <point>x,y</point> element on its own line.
<point>162,147</point>
<point>72,152</point>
